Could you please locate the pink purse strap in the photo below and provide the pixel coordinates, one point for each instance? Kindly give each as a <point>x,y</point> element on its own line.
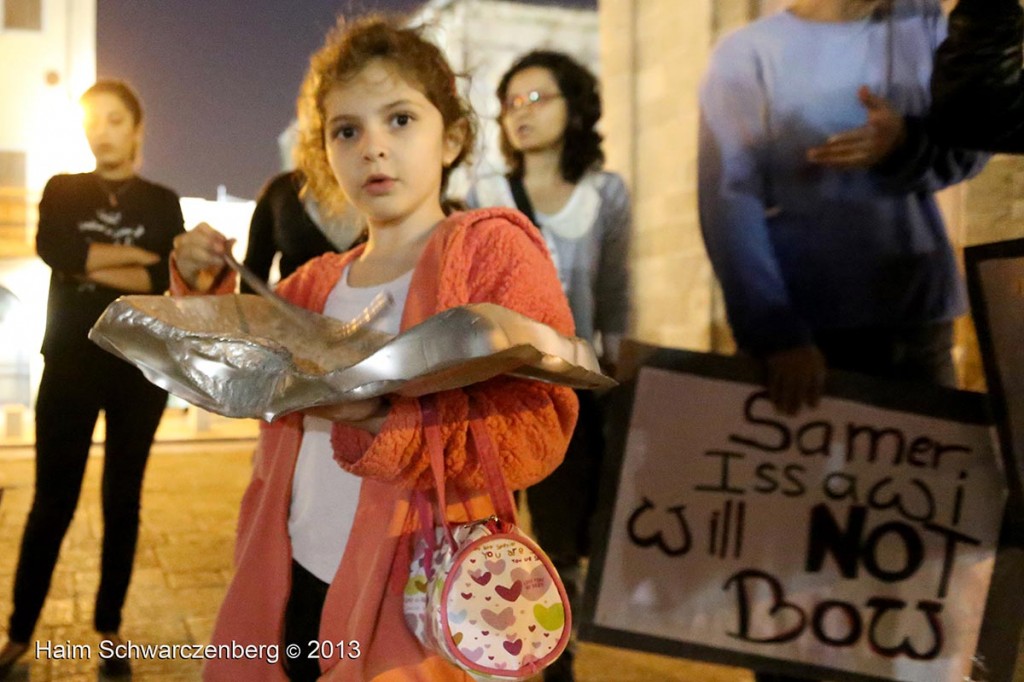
<point>487,456</point>
<point>432,434</point>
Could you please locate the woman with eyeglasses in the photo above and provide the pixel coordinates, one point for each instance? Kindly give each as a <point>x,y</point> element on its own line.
<point>550,108</point>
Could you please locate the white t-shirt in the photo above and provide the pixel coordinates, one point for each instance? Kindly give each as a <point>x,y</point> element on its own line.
<point>325,496</point>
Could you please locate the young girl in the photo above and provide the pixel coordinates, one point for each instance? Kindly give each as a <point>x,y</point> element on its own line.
<point>326,525</point>
<point>550,107</point>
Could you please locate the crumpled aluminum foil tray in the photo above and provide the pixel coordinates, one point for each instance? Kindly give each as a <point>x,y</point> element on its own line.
<point>238,356</point>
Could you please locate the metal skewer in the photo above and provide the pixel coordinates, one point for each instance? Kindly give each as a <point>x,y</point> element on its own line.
<point>293,312</point>
<point>339,332</point>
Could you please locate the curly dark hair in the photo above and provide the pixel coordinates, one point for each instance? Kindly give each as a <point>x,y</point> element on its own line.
<point>581,150</point>
<point>347,49</point>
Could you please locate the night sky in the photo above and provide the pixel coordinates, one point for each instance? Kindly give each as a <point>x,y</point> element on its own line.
<point>218,79</point>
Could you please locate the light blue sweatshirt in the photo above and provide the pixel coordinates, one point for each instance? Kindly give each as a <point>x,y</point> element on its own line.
<point>799,247</point>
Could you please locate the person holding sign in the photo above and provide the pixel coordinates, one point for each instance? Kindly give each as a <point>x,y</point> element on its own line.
<point>978,92</point>
<point>817,176</point>
<point>817,194</point>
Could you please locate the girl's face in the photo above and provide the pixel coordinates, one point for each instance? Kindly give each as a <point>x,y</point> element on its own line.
<point>111,131</point>
<point>387,145</point>
<point>534,113</point>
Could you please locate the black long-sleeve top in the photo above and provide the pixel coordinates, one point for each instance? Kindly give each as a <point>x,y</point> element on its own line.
<point>75,212</point>
<point>977,84</point>
<point>280,224</point>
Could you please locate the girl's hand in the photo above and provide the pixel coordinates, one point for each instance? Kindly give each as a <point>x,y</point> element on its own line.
<point>199,256</point>
<point>366,414</point>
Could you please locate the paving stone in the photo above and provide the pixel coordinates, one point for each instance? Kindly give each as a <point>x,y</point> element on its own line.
<point>86,582</point>
<point>148,578</point>
<point>58,612</point>
<point>85,558</point>
<point>145,554</point>
<point>85,607</point>
<point>200,629</point>
<point>181,559</point>
<point>191,579</point>
<point>160,630</point>
<point>62,585</point>
<point>202,601</point>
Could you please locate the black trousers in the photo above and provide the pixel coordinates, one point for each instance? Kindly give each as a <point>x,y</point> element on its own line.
<point>562,510</point>
<point>920,353</point>
<point>302,623</point>
<point>73,389</point>
<point>563,504</point>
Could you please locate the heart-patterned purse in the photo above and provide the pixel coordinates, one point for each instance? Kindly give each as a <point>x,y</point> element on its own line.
<point>483,595</point>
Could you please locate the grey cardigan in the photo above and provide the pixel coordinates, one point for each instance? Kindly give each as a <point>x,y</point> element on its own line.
<point>589,244</point>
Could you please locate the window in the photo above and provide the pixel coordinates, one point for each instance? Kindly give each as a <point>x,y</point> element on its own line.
<point>25,15</point>
<point>12,169</point>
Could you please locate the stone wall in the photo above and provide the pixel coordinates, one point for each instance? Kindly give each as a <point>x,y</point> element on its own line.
<point>482,38</point>
<point>653,54</point>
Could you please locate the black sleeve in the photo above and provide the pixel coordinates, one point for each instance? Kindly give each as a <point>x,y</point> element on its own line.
<point>58,241</point>
<point>259,253</point>
<point>977,85</point>
<point>924,164</point>
<point>171,224</point>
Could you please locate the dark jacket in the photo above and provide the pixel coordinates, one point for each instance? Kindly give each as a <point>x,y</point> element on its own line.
<point>977,84</point>
<point>280,224</point>
<point>75,212</point>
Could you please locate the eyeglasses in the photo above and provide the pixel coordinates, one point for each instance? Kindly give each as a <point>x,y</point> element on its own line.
<point>529,100</point>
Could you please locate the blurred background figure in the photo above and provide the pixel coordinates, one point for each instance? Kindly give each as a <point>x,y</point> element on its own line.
<point>288,222</point>
<point>817,177</point>
<point>977,86</point>
<point>550,109</point>
<point>103,234</point>
<point>978,92</point>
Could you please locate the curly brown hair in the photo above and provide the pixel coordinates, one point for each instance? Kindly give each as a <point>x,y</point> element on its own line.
<point>347,49</point>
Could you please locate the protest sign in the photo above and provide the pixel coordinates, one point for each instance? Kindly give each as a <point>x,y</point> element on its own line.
<point>854,541</point>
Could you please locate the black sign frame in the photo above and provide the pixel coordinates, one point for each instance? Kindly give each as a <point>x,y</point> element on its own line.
<point>991,349</point>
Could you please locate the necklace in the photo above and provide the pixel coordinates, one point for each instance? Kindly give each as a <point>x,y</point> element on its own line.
<point>114,189</point>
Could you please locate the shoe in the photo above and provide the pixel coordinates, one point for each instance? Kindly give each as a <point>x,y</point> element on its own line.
<point>561,669</point>
<point>9,655</point>
<point>115,666</point>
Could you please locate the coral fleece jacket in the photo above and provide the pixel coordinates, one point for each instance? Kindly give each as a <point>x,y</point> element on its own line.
<point>491,255</point>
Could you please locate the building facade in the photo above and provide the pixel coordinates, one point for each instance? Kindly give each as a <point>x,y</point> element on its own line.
<point>47,58</point>
<point>481,39</point>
